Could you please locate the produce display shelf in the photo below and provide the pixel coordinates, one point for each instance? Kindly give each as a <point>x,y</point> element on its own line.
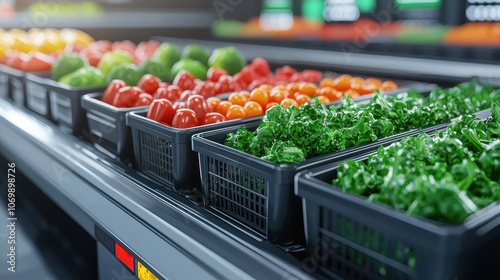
<point>103,195</point>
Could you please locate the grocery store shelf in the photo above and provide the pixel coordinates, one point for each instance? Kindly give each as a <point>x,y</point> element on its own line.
<point>401,67</point>
<point>174,236</point>
<point>115,20</point>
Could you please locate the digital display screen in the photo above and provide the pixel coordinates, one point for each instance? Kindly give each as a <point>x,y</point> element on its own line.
<point>347,10</point>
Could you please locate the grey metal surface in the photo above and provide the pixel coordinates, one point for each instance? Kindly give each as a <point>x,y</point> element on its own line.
<point>177,238</point>
<point>351,61</point>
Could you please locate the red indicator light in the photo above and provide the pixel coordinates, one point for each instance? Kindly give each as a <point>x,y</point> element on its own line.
<point>124,256</point>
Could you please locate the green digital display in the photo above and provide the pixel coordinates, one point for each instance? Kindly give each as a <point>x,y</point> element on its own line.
<point>418,4</point>
<point>366,6</point>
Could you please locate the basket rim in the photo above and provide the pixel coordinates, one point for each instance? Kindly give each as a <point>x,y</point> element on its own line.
<point>93,100</point>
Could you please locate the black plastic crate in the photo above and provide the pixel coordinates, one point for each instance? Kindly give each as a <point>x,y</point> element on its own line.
<point>355,239</point>
<point>15,84</point>
<point>258,193</point>
<point>4,83</point>
<point>165,153</point>
<point>65,106</point>
<point>107,126</point>
<point>37,93</point>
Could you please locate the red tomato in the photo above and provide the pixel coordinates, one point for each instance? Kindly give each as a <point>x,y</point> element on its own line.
<point>112,90</point>
<point>38,62</point>
<point>179,105</point>
<point>126,97</point>
<point>260,67</point>
<point>215,73</point>
<point>186,94</point>
<point>247,74</point>
<point>161,110</point>
<point>93,55</point>
<point>149,83</point>
<point>185,118</point>
<point>125,46</point>
<point>164,84</point>
<point>312,76</point>
<point>171,93</point>
<point>144,99</point>
<point>213,103</point>
<point>16,59</point>
<point>240,80</point>
<point>235,112</point>
<point>198,104</point>
<point>184,80</point>
<point>204,89</point>
<point>225,84</point>
<point>285,71</point>
<point>253,109</point>
<point>213,118</point>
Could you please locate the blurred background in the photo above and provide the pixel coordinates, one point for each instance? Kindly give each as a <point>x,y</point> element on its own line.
<point>462,30</point>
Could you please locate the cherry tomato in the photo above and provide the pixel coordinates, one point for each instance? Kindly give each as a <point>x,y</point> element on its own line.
<point>271,104</point>
<point>245,94</point>
<point>112,90</point>
<point>260,67</point>
<point>259,96</point>
<point>302,99</point>
<point>186,94</point>
<point>184,80</point>
<point>253,109</point>
<point>204,89</point>
<point>185,118</point>
<point>198,104</point>
<point>171,93</point>
<point>161,110</point>
<point>213,118</point>
<point>330,93</point>
<point>357,84</point>
<point>237,99</point>
<point>126,97</point>
<point>144,99</point>
<point>240,80</point>
<point>323,99</point>
<point>285,71</point>
<point>288,101</point>
<point>247,74</point>
<point>307,89</point>
<point>256,83</point>
<point>164,84</point>
<point>342,83</point>
<point>179,105</point>
<point>149,83</point>
<point>292,88</point>
<point>225,84</point>
<point>326,82</point>
<point>213,102</point>
<point>215,73</point>
<point>266,88</point>
<point>369,88</point>
<point>277,96</point>
<point>223,106</point>
<point>312,76</point>
<point>376,82</point>
<point>38,62</point>
<point>352,93</point>
<point>235,112</point>
<point>388,86</point>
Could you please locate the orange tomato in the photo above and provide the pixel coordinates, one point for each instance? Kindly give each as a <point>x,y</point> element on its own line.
<point>245,94</point>
<point>357,80</point>
<point>292,88</point>
<point>302,99</point>
<point>279,88</point>
<point>235,112</point>
<point>277,96</point>
<point>307,89</point>
<point>213,103</point>
<point>323,99</point>
<point>237,99</point>
<point>376,82</point>
<point>260,96</point>
<point>369,88</point>
<point>223,106</point>
<point>342,83</point>
<point>266,88</point>
<point>388,86</point>
<point>326,82</point>
<point>253,109</point>
<point>330,93</point>
<point>288,101</point>
<point>352,93</point>
<point>271,104</point>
